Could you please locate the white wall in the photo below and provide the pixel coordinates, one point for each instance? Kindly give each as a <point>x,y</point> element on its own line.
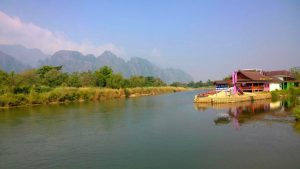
<point>274,86</point>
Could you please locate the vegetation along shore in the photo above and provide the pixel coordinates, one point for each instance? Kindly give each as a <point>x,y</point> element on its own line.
<point>292,95</point>
<point>49,84</point>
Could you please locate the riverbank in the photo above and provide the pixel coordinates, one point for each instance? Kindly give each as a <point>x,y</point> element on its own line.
<point>72,94</point>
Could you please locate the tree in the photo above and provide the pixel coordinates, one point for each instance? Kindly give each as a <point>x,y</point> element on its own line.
<point>158,82</point>
<point>87,79</point>
<point>74,80</point>
<point>3,77</point>
<point>209,83</point>
<point>178,84</point>
<point>199,84</point>
<point>28,78</point>
<point>11,82</point>
<point>54,78</point>
<point>115,81</point>
<point>137,81</point>
<point>45,69</point>
<point>102,75</point>
<point>3,81</point>
<point>191,84</point>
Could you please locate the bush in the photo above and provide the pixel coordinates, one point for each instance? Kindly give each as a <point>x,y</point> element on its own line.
<point>42,89</point>
<point>9,100</point>
<point>22,89</point>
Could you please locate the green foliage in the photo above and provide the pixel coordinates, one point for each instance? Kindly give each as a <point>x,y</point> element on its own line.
<point>293,92</point>
<point>3,77</point>
<point>28,78</point>
<point>45,69</point>
<point>87,79</point>
<point>136,81</point>
<point>72,94</point>
<point>178,84</point>
<point>151,81</point>
<point>73,80</point>
<point>49,84</point>
<point>42,89</point>
<point>115,81</point>
<point>193,84</point>
<point>54,78</point>
<point>102,75</point>
<point>9,100</point>
<point>3,81</point>
<point>22,89</point>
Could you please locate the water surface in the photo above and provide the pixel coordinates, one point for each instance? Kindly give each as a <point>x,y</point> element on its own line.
<point>153,132</point>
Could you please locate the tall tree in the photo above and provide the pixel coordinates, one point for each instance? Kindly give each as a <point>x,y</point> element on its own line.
<point>115,81</point>
<point>102,75</point>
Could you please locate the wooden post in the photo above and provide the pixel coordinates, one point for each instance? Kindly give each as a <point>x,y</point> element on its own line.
<point>252,87</point>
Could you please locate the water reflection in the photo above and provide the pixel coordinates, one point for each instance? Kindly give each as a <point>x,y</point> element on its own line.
<point>247,112</point>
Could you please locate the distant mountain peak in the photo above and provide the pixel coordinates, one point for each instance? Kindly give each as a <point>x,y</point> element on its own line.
<point>67,52</point>
<point>9,63</point>
<point>24,55</point>
<point>108,53</point>
<point>74,61</point>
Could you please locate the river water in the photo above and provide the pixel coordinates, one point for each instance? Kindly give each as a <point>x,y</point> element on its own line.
<point>153,132</point>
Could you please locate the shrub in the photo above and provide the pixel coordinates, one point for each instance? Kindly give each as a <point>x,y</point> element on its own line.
<point>8,100</point>
<point>22,89</point>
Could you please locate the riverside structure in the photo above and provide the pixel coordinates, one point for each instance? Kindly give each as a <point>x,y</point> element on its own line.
<point>248,85</point>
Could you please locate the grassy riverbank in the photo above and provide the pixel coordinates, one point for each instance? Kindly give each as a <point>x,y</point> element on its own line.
<point>72,94</point>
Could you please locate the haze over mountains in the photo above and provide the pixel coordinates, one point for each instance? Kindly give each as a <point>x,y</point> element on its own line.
<point>18,58</point>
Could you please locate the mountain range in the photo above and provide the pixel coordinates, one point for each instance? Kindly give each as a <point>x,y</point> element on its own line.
<point>18,58</point>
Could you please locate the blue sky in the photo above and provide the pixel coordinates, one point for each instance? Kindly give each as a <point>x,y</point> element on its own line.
<point>208,39</point>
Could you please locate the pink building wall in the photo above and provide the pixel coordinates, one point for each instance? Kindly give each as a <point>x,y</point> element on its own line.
<point>267,87</point>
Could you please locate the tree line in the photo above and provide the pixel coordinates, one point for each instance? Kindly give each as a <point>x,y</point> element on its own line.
<point>46,78</point>
<point>193,84</point>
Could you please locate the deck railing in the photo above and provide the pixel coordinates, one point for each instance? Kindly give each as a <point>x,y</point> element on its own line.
<point>252,88</point>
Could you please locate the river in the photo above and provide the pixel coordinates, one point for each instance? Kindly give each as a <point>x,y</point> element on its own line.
<point>152,132</point>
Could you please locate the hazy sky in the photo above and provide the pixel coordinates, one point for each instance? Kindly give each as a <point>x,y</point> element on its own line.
<point>208,39</point>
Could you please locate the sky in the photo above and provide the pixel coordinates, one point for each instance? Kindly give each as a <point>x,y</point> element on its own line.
<point>208,39</point>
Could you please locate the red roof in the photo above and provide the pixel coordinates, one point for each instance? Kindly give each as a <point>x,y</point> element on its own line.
<point>278,73</point>
<point>222,82</point>
<point>254,76</point>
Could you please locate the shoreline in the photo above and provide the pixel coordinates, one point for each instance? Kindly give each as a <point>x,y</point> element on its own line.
<point>63,95</point>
